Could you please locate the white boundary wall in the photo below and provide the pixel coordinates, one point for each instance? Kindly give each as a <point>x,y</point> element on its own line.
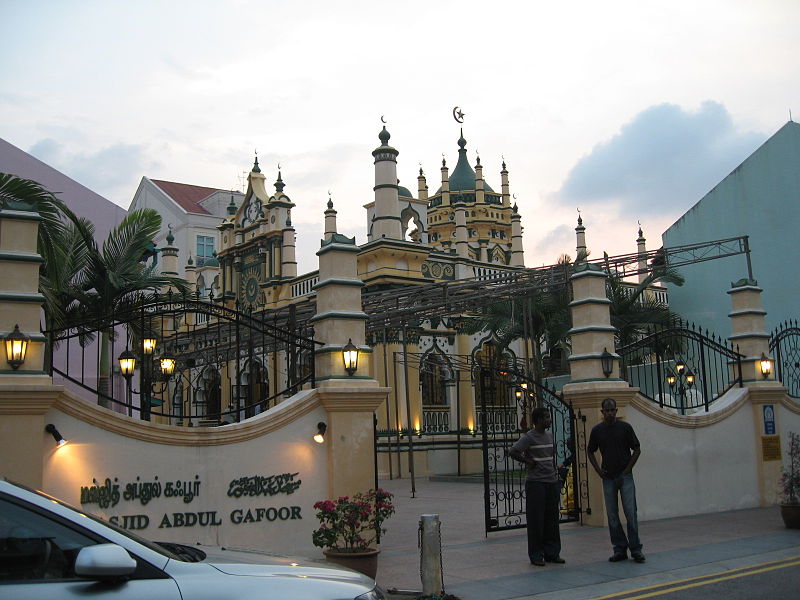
<point>276,516</point>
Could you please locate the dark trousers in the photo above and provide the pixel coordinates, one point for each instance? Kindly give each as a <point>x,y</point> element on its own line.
<point>541,511</point>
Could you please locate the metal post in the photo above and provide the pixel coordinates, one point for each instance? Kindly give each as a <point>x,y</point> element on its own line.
<point>430,568</point>
<point>408,413</point>
<point>388,410</point>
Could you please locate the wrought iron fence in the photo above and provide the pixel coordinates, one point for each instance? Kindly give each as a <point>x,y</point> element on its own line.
<point>183,361</point>
<point>681,367</point>
<point>784,346</point>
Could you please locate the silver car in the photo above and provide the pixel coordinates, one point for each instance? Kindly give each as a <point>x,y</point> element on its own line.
<point>50,550</point>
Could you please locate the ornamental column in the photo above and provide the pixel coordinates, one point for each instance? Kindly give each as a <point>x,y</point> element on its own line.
<point>767,395</point>
<point>26,390</point>
<point>349,399</point>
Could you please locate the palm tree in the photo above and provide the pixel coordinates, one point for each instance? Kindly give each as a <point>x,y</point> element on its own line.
<point>115,277</point>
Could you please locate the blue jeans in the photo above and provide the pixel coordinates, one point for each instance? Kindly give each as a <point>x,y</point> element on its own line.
<point>541,511</point>
<point>622,486</point>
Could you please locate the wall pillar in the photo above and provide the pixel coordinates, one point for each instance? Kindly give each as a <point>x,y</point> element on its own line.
<point>766,394</point>
<point>591,335</point>
<point>26,393</point>
<point>350,400</point>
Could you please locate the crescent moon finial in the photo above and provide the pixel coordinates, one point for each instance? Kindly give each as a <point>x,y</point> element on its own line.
<point>256,151</point>
<point>458,114</point>
<point>514,196</point>
<point>279,166</point>
<point>579,209</point>
<point>383,120</point>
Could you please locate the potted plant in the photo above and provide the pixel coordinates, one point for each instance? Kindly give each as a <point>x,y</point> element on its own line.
<point>351,526</point>
<point>790,484</point>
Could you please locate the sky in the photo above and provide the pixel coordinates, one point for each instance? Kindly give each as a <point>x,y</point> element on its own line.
<point>628,112</point>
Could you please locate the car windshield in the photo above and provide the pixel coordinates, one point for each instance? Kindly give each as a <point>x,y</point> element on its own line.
<point>155,547</point>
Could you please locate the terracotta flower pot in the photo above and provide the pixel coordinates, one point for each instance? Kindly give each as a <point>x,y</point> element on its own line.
<point>364,562</point>
<point>791,515</point>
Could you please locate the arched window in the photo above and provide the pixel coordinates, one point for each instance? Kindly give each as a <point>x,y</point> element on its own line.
<point>209,394</point>
<point>435,375</point>
<point>254,389</point>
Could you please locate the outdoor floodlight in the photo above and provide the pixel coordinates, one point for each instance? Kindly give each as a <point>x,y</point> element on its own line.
<point>766,365</point>
<point>16,347</point>
<point>319,437</point>
<point>127,363</point>
<point>607,362</point>
<point>51,429</point>
<point>350,355</point>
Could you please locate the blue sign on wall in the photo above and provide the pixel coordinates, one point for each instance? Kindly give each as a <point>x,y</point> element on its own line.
<point>769,419</point>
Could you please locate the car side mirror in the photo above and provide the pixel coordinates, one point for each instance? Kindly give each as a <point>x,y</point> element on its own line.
<point>104,561</point>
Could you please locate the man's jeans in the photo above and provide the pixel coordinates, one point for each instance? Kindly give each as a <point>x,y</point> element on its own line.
<point>623,486</point>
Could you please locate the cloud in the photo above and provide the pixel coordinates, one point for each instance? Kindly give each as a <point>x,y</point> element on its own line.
<point>109,171</point>
<point>664,160</point>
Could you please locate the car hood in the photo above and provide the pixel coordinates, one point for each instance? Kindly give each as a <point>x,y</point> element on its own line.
<point>263,564</point>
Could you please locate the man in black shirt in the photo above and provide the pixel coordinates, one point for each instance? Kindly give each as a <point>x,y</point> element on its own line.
<point>620,450</point>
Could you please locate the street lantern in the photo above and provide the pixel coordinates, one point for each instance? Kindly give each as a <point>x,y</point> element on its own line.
<point>127,363</point>
<point>167,365</point>
<point>149,345</point>
<point>350,356</point>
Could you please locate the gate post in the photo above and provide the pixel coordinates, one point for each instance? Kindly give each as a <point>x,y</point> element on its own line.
<point>349,399</point>
<point>591,335</point>
<point>26,392</point>
<point>766,394</point>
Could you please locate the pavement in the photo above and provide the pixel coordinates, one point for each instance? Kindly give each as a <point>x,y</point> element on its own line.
<point>477,566</point>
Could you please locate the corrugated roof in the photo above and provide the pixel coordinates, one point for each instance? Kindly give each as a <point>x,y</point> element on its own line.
<point>187,196</point>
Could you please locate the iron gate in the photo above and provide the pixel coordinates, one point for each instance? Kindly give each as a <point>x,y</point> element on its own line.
<point>507,397</point>
<point>784,345</point>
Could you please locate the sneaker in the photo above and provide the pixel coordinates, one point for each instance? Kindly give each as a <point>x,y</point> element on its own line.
<point>638,557</point>
<point>618,557</point>
<point>539,562</point>
<point>556,559</point>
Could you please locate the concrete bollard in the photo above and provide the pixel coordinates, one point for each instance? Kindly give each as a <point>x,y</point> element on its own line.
<point>431,554</point>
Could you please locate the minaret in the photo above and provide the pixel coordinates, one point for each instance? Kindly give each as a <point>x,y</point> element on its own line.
<point>169,257</point>
<point>480,194</point>
<point>387,204</point>
<point>517,255</point>
<point>445,184</point>
<point>191,273</point>
<point>641,250</point>
<point>580,234</point>
<point>461,228</point>
<point>289,262</point>
<point>504,187</point>
<point>330,221</point>
<point>422,186</point>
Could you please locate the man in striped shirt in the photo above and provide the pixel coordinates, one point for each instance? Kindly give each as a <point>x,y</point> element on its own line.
<point>542,489</point>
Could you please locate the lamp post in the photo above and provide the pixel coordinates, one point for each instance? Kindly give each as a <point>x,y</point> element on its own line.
<point>765,364</point>
<point>127,366</point>
<point>681,379</point>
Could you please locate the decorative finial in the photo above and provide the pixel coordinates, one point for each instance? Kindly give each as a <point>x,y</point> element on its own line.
<point>279,185</point>
<point>190,262</point>
<point>383,120</point>
<point>232,206</point>
<point>330,200</point>
<point>580,220</point>
<point>170,237</point>
<point>458,115</point>
<point>462,143</point>
<point>256,168</point>
<point>444,163</point>
<point>515,207</point>
<point>504,161</point>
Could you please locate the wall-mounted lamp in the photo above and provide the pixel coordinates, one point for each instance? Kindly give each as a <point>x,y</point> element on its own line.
<point>350,355</point>
<point>127,363</point>
<point>51,429</point>
<point>766,365</point>
<point>319,437</point>
<point>607,362</point>
<point>16,347</point>
<point>149,345</point>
